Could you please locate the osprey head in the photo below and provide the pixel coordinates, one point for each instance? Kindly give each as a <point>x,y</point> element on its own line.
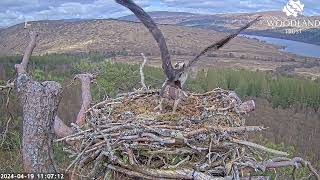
<point>182,75</point>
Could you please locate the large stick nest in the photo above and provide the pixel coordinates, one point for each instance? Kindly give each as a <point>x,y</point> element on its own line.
<point>204,139</point>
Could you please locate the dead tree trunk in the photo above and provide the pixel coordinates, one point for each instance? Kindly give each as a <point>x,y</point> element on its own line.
<point>39,102</point>
<point>63,130</point>
<point>85,96</point>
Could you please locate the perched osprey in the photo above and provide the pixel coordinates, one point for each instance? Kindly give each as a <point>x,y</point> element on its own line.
<point>172,92</point>
<point>175,76</point>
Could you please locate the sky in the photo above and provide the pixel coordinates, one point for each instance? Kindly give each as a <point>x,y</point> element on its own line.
<point>16,11</point>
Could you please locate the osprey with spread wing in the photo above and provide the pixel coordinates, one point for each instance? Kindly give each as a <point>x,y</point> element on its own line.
<point>175,76</point>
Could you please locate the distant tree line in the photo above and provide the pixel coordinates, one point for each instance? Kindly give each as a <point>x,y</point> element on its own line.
<point>282,91</point>
<point>113,77</point>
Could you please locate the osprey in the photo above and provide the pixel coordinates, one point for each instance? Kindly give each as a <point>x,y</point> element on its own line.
<point>175,76</point>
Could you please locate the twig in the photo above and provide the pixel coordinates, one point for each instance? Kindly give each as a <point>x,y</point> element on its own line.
<point>10,117</point>
<point>79,156</point>
<point>143,144</point>
<point>257,146</point>
<point>179,163</point>
<point>293,162</point>
<point>141,71</point>
<point>128,172</point>
<point>9,85</point>
<point>179,174</point>
<point>242,129</point>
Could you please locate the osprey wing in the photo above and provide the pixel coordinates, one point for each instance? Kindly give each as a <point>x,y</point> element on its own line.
<point>156,33</point>
<point>220,43</point>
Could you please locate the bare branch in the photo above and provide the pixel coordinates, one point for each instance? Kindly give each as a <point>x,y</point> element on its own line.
<point>179,174</point>
<point>257,146</point>
<point>60,128</point>
<point>9,115</point>
<point>9,85</point>
<point>242,129</point>
<point>22,67</point>
<point>275,163</point>
<point>128,172</point>
<point>141,71</point>
<point>86,96</point>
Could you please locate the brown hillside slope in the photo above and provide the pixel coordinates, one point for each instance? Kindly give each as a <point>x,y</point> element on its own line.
<point>111,35</point>
<point>128,39</point>
<point>273,23</point>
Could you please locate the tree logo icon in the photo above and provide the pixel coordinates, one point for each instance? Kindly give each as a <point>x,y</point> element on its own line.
<point>293,8</point>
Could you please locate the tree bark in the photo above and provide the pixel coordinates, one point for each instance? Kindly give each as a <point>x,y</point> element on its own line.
<point>39,103</point>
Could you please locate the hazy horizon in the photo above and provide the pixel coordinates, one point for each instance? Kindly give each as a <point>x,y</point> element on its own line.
<point>80,19</point>
<point>18,11</point>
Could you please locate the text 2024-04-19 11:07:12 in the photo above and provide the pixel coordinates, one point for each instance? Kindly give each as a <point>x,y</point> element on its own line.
<point>31,176</point>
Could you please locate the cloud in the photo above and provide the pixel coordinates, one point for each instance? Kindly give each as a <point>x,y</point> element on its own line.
<point>13,12</point>
<point>17,11</point>
<point>219,6</point>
